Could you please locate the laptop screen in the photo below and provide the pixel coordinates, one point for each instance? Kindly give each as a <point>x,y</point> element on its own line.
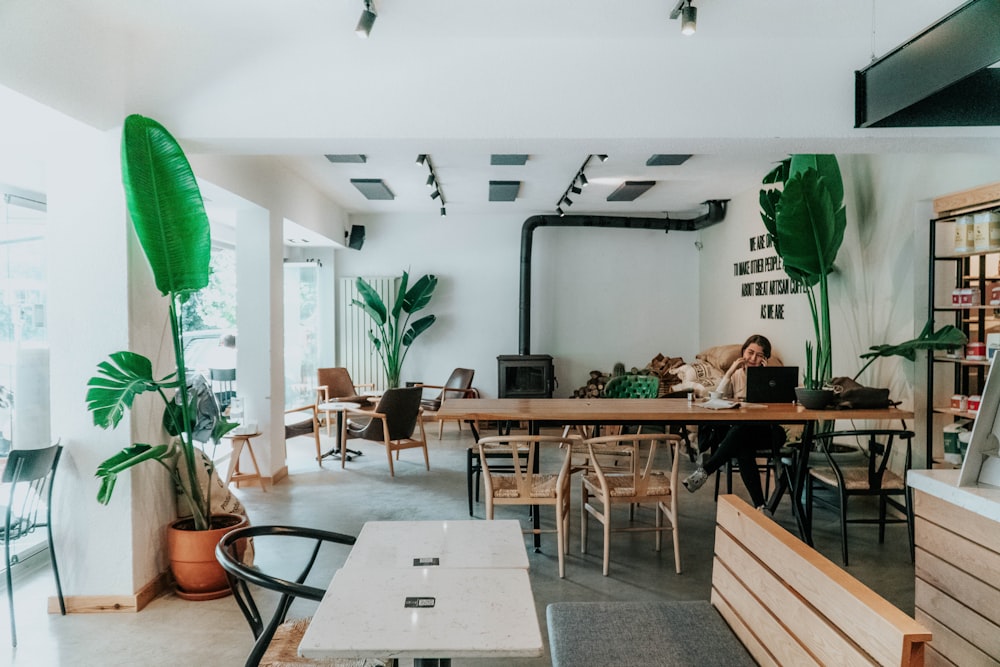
<point>772,384</point>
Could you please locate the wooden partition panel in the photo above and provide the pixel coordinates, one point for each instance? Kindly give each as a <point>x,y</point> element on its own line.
<point>798,606</point>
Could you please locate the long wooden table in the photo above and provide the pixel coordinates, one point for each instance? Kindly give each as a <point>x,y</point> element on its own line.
<point>542,411</point>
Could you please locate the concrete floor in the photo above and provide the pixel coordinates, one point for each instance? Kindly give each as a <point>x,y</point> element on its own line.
<point>171,631</point>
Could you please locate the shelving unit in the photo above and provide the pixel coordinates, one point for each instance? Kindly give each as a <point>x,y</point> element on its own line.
<point>949,270</point>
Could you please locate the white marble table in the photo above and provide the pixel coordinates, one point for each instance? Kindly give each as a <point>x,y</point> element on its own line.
<point>430,614</point>
<point>463,543</point>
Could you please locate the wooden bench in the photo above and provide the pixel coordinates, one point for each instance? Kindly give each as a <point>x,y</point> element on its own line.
<point>784,602</point>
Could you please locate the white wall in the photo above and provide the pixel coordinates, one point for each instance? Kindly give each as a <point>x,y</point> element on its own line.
<point>598,295</point>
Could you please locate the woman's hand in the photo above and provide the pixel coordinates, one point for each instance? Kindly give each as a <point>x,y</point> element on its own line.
<point>736,365</point>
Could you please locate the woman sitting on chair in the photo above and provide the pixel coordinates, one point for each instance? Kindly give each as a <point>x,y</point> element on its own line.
<point>742,441</point>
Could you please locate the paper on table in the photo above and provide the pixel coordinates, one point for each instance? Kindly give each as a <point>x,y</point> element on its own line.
<point>718,404</point>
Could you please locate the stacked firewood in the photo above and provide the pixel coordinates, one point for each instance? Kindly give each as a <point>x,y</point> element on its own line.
<point>594,387</point>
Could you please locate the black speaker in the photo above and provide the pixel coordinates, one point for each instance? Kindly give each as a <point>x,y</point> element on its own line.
<point>357,238</point>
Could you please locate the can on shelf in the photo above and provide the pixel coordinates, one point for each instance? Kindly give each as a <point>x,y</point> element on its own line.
<point>974,402</point>
<point>960,402</point>
<point>975,351</point>
<point>964,234</point>
<point>986,234</point>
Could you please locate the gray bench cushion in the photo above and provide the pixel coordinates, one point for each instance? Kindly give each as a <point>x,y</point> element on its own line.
<point>627,634</point>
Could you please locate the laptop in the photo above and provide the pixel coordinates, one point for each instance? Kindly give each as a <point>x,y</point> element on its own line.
<point>772,384</point>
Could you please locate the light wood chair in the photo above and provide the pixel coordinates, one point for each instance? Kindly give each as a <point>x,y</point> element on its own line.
<point>521,483</point>
<point>621,470</point>
<point>304,420</point>
<point>393,424</point>
<point>335,384</point>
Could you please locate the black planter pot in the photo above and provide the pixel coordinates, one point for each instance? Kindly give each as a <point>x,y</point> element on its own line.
<point>814,399</point>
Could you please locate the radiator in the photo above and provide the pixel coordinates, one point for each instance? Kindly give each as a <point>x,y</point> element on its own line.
<point>355,351</point>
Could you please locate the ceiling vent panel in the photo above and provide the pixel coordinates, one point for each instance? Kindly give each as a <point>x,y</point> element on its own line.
<point>347,159</point>
<point>508,159</point>
<point>504,190</point>
<point>373,188</point>
<point>630,190</point>
<point>666,159</point>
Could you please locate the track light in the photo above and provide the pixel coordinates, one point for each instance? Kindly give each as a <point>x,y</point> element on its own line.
<point>564,199</point>
<point>583,179</point>
<point>602,158</point>
<point>560,211</point>
<point>689,19</point>
<point>443,212</point>
<point>435,194</point>
<point>567,201</point>
<point>688,15</point>
<point>575,190</point>
<point>366,21</point>
<point>430,180</point>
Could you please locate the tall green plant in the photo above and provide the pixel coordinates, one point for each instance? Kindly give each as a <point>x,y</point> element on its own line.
<point>806,219</point>
<point>393,334</point>
<point>948,337</point>
<point>169,218</point>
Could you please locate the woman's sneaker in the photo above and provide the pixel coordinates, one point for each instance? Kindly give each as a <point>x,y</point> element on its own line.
<point>695,480</point>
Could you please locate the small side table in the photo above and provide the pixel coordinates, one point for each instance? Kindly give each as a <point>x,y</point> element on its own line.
<point>238,441</point>
<point>337,407</point>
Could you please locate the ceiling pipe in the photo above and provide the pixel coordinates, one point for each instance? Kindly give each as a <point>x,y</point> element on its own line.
<point>716,213</point>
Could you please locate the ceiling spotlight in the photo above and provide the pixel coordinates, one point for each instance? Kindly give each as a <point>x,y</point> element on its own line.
<point>421,159</point>
<point>366,21</point>
<point>430,181</point>
<point>583,179</point>
<point>575,190</point>
<point>689,19</point>
<point>567,201</point>
<point>602,158</point>
<point>560,211</point>
<point>435,194</point>
<point>443,212</point>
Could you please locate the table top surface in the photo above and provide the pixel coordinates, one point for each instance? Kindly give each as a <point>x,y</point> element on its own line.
<point>337,405</point>
<point>646,409</point>
<point>476,613</point>
<point>464,543</point>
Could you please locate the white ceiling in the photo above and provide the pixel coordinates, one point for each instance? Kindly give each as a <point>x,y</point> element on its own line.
<point>557,80</point>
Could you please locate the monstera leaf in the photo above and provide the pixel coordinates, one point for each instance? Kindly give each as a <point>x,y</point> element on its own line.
<point>947,337</point>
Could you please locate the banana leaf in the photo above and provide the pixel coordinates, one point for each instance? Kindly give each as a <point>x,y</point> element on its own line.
<point>947,337</point>
<point>166,206</point>
<point>119,380</point>
<point>420,294</point>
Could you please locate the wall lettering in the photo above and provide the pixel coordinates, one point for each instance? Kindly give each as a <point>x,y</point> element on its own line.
<point>767,286</point>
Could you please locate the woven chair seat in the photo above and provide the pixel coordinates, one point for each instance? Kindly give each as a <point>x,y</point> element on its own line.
<point>283,650</point>
<point>856,478</point>
<point>621,486</point>
<point>505,486</point>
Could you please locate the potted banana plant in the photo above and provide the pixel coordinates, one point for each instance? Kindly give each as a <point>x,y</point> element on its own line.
<point>393,334</point>
<point>806,219</point>
<point>168,214</point>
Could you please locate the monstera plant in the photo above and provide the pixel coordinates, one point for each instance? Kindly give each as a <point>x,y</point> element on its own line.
<point>806,220</point>
<point>169,218</point>
<point>393,334</point>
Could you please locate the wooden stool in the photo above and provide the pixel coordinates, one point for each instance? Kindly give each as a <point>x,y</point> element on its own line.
<point>238,440</point>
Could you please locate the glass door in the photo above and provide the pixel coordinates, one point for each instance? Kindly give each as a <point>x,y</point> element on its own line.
<point>301,332</point>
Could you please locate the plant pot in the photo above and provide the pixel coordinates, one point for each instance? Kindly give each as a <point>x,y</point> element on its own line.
<point>196,571</point>
<point>814,399</point>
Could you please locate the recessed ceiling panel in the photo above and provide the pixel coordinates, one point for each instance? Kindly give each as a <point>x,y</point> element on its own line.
<point>508,159</point>
<point>504,190</point>
<point>630,190</point>
<point>372,188</point>
<point>667,159</point>
<point>347,159</point>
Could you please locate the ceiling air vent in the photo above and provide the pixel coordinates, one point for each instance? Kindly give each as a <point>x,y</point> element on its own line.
<point>666,159</point>
<point>347,159</point>
<point>372,188</point>
<point>504,190</point>
<point>508,159</point>
<point>630,190</point>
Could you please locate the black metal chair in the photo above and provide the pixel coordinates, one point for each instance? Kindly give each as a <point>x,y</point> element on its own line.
<point>867,474</point>
<point>30,474</point>
<point>277,639</point>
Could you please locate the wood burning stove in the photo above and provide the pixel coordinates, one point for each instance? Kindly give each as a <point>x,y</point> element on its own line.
<point>525,376</point>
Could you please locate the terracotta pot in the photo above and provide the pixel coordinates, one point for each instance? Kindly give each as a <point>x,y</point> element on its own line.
<point>196,571</point>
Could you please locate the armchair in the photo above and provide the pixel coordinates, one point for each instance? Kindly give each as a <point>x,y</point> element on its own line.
<point>391,424</point>
<point>458,385</point>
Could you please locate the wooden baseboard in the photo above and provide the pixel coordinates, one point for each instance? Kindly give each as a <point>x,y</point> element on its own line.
<point>113,604</point>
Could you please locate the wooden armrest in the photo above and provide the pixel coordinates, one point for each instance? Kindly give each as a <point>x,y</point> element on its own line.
<point>364,413</point>
<point>464,392</point>
<point>367,384</point>
<point>302,408</point>
<point>322,394</point>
